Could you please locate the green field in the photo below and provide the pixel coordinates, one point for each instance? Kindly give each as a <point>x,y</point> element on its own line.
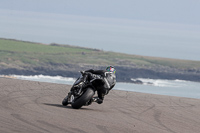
<point>20,53</point>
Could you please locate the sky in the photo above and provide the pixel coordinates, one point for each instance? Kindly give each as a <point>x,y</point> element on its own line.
<point>158,28</point>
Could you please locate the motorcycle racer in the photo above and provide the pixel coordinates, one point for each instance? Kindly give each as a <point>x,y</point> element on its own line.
<point>104,80</point>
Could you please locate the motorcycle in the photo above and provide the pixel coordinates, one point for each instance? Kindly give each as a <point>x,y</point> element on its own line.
<point>81,95</point>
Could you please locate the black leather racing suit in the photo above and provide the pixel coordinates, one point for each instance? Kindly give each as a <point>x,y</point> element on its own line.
<point>103,81</point>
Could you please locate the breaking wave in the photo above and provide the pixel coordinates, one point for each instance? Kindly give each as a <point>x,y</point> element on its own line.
<point>44,78</point>
<point>69,80</point>
<point>177,87</point>
<point>162,83</point>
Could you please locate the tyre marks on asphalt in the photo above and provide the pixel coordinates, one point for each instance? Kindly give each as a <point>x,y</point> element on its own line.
<point>36,107</point>
<point>19,104</point>
<point>30,124</point>
<point>102,128</point>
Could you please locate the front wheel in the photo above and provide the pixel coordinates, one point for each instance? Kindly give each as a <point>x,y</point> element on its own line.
<point>87,95</point>
<point>65,101</point>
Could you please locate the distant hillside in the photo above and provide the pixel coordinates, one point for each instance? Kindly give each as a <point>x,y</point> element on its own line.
<point>29,58</point>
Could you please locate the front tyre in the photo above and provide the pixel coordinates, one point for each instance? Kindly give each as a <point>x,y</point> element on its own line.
<point>65,101</point>
<point>87,95</point>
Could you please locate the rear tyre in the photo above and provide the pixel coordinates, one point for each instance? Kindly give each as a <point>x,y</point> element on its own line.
<point>89,93</point>
<point>65,101</point>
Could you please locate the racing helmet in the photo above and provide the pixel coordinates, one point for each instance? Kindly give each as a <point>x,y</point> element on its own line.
<point>111,69</point>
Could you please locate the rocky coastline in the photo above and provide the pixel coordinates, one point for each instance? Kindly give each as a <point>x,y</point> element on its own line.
<point>67,61</point>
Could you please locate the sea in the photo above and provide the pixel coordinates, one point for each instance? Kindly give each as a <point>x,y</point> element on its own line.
<point>180,88</point>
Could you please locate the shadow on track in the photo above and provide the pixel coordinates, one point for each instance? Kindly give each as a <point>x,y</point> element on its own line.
<point>61,106</point>
<point>57,105</point>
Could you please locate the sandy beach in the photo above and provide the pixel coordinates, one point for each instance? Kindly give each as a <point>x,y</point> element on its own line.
<point>35,107</point>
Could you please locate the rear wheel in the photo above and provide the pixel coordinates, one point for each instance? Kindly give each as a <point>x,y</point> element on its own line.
<point>87,95</point>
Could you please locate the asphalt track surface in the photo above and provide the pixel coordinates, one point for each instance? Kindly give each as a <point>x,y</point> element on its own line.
<point>35,107</point>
